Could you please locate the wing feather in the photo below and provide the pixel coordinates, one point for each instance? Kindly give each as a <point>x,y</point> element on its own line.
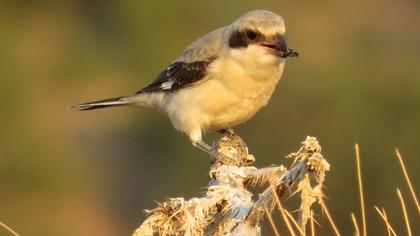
<point>179,75</point>
<point>191,67</point>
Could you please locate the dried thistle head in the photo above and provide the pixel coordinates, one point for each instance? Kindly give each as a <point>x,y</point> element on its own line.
<point>168,216</point>
<point>231,150</point>
<point>309,147</point>
<point>180,217</point>
<point>310,155</point>
<point>317,163</point>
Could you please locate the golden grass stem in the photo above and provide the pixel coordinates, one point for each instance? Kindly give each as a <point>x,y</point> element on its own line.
<point>356,226</point>
<point>294,222</point>
<point>270,219</point>
<point>385,219</point>
<point>312,224</point>
<point>330,220</point>
<point>280,207</point>
<point>407,179</point>
<point>407,221</point>
<point>9,229</point>
<point>359,178</point>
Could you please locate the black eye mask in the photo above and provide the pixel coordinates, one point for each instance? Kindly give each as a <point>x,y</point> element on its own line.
<point>243,38</point>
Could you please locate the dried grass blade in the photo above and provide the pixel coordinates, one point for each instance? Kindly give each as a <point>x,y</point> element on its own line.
<point>312,224</point>
<point>330,220</point>
<point>280,207</point>
<point>362,199</point>
<point>270,219</point>
<point>407,179</point>
<point>407,221</point>
<point>385,219</point>
<point>356,226</point>
<point>9,229</point>
<point>294,222</point>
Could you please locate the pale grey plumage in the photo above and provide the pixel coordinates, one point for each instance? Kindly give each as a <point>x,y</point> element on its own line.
<point>205,47</point>
<point>214,42</point>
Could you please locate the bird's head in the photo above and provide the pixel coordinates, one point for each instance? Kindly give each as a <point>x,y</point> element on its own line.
<point>262,29</point>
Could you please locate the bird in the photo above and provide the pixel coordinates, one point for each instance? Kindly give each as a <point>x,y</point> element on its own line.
<point>219,81</point>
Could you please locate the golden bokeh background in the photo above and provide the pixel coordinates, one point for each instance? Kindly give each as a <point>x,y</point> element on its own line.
<point>70,173</point>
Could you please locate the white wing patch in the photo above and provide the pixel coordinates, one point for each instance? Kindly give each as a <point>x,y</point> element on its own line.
<point>167,85</point>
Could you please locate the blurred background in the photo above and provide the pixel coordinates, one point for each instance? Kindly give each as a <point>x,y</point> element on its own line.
<point>70,173</point>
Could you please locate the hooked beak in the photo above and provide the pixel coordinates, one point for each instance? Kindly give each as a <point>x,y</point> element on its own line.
<point>278,45</point>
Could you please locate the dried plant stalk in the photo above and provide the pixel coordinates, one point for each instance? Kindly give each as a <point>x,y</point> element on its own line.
<point>356,226</point>
<point>227,208</point>
<point>388,229</point>
<point>360,184</point>
<point>330,219</point>
<point>385,219</point>
<point>9,229</point>
<point>406,219</point>
<point>270,219</point>
<point>284,216</point>
<point>312,224</point>
<point>407,179</point>
<point>295,223</point>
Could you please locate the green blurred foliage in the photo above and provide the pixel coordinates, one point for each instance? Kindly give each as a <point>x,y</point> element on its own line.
<point>69,173</point>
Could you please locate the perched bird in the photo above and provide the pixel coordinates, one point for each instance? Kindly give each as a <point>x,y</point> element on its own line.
<point>220,80</point>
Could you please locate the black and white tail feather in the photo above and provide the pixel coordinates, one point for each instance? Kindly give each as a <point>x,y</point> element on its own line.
<point>105,103</point>
<point>176,76</point>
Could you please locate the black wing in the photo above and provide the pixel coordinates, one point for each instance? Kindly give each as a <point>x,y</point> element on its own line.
<point>179,75</point>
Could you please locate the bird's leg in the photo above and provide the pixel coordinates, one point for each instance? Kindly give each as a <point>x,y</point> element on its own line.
<point>203,146</point>
<point>227,131</point>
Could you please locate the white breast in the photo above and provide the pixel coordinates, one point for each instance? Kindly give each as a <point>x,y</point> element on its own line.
<point>239,84</point>
<point>249,82</point>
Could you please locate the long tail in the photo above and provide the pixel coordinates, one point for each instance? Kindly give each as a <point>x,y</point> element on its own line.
<point>109,102</point>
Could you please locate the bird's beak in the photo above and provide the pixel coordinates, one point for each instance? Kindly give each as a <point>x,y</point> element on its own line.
<point>281,46</point>
<point>278,46</point>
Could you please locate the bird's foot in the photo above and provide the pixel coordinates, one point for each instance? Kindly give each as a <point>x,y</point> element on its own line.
<point>204,147</point>
<point>227,132</point>
<point>230,149</point>
<point>214,152</point>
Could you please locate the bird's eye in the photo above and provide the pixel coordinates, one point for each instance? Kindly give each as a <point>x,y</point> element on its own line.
<point>251,35</point>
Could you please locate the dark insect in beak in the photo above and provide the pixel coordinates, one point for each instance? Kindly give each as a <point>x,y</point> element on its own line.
<point>284,54</point>
<point>291,53</point>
